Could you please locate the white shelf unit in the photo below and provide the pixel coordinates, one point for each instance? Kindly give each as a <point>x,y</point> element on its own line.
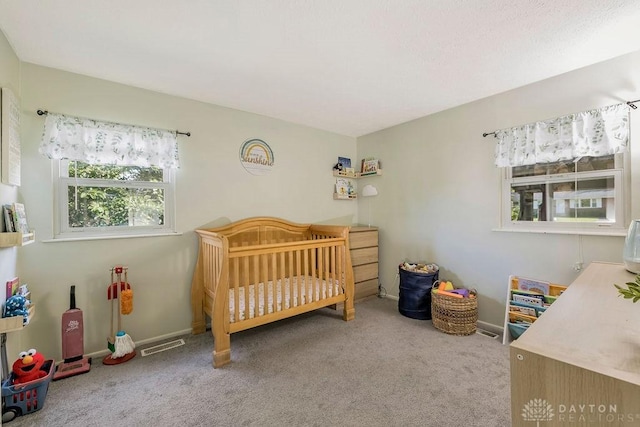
<point>518,320</point>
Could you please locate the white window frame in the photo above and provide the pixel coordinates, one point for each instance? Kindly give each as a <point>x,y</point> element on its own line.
<point>62,230</point>
<point>621,175</point>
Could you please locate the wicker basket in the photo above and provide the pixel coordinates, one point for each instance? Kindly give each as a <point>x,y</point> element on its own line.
<point>455,316</point>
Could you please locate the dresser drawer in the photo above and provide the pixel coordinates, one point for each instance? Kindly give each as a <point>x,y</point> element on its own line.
<point>364,256</point>
<point>367,288</point>
<point>363,239</point>
<point>365,272</point>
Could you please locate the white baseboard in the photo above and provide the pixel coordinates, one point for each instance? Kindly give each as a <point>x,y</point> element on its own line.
<point>490,327</point>
<point>482,325</point>
<point>102,353</point>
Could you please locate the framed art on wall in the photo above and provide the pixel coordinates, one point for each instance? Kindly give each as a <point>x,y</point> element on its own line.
<point>256,156</point>
<point>10,137</point>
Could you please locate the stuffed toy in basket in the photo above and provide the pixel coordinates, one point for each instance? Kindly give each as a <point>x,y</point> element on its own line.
<point>28,367</point>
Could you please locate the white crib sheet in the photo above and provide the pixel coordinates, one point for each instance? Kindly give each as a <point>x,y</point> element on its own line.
<point>319,287</point>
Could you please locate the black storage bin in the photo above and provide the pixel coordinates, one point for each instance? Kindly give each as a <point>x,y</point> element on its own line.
<point>415,293</point>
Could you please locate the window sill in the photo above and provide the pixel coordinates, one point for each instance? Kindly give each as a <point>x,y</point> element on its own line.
<point>582,232</point>
<point>124,236</point>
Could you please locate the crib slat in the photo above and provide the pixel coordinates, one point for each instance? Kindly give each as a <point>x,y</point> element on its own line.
<point>340,270</point>
<point>289,289</point>
<point>282,284</point>
<point>320,269</point>
<point>236,294</point>
<point>306,276</point>
<point>274,281</point>
<point>331,274</point>
<point>256,287</point>
<point>299,276</point>
<point>245,286</point>
<point>265,280</point>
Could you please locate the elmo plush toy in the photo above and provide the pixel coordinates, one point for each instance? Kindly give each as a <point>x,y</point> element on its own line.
<point>28,367</point>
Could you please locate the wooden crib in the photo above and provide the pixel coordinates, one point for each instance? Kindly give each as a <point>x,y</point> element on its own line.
<point>260,270</point>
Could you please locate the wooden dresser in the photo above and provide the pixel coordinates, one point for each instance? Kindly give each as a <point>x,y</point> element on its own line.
<point>363,242</point>
<point>579,363</point>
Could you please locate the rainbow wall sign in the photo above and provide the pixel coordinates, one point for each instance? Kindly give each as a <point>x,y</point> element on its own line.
<point>256,156</point>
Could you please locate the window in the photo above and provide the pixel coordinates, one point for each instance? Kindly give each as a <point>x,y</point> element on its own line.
<point>112,179</point>
<point>566,196</point>
<point>110,200</point>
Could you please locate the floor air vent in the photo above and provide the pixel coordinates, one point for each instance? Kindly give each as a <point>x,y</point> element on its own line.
<point>162,347</point>
<point>486,333</point>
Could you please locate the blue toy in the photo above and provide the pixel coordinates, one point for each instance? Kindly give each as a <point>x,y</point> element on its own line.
<point>17,305</point>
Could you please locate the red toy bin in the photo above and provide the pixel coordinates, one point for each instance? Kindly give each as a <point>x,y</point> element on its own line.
<point>28,397</point>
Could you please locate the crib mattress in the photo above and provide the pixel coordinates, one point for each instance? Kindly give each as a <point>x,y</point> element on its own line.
<point>312,286</point>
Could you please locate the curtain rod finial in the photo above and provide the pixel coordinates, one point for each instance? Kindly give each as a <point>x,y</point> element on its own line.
<point>42,112</point>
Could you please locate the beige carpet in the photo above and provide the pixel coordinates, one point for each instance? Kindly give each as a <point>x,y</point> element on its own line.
<point>382,369</point>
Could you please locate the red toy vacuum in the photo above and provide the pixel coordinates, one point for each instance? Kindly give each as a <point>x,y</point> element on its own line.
<point>75,362</point>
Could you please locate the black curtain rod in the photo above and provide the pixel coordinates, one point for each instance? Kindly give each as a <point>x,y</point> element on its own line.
<point>629,103</point>
<point>45,112</point>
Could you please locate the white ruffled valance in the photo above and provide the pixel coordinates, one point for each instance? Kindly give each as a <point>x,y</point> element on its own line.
<point>592,133</point>
<point>97,142</point>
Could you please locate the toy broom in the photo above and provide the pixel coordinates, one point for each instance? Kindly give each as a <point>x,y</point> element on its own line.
<point>121,345</point>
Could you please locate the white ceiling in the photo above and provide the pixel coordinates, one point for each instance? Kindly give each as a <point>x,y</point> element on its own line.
<point>347,66</point>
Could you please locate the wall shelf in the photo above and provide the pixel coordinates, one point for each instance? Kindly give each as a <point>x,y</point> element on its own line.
<point>16,323</point>
<point>8,240</point>
<point>356,175</point>
<point>337,196</point>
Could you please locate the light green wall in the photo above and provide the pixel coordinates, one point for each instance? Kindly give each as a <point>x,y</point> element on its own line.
<point>439,196</point>
<point>212,189</point>
<point>9,77</point>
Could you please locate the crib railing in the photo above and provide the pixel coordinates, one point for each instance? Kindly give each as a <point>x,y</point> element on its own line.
<point>299,276</point>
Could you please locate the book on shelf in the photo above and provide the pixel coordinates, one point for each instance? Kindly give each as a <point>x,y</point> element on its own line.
<point>12,287</point>
<point>342,187</point>
<point>529,311</point>
<point>369,166</point>
<point>536,286</point>
<point>7,211</point>
<point>345,162</point>
<point>20,218</point>
<point>534,300</point>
